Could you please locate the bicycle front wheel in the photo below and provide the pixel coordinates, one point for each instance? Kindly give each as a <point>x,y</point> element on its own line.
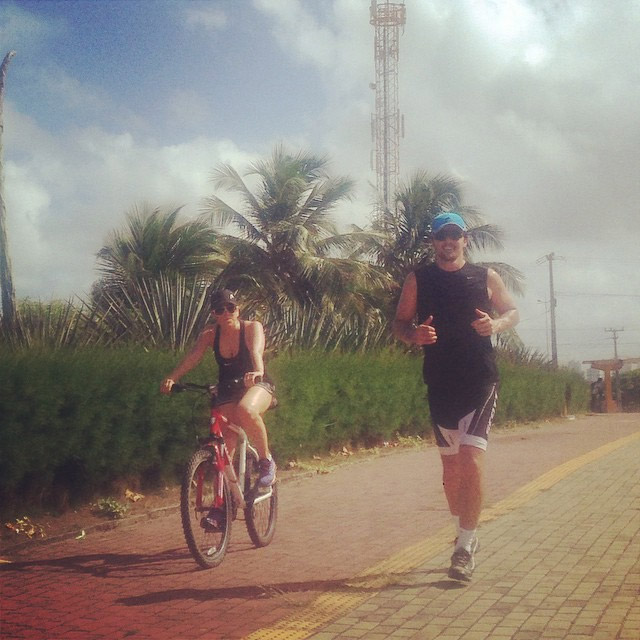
<point>261,511</point>
<point>206,530</point>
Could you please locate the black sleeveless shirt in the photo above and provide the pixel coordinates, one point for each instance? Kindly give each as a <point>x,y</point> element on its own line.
<point>460,358</point>
<point>233,368</point>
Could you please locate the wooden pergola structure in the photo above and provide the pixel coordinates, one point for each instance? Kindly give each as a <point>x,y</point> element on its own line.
<point>607,366</point>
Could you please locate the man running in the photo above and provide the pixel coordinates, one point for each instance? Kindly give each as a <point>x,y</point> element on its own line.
<point>445,307</point>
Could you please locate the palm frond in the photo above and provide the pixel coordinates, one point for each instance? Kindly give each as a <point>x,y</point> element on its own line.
<point>227,178</point>
<point>513,278</point>
<point>222,215</point>
<point>485,237</point>
<point>169,311</point>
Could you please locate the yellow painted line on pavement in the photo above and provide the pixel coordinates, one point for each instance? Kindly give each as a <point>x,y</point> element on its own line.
<point>547,480</point>
<point>354,591</point>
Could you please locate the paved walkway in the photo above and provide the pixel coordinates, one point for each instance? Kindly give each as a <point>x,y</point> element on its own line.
<point>559,560</point>
<point>560,557</point>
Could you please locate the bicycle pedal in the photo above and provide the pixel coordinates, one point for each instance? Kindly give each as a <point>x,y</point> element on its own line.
<point>208,526</point>
<point>213,521</point>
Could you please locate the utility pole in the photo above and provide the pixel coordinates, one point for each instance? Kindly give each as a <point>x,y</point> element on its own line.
<point>552,306</point>
<point>615,333</point>
<point>7,290</point>
<point>546,323</point>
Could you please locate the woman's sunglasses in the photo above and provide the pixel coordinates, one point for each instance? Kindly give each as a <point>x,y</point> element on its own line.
<point>230,307</point>
<point>448,234</point>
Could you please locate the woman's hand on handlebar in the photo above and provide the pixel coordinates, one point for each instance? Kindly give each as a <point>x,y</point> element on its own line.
<point>251,378</point>
<point>166,385</point>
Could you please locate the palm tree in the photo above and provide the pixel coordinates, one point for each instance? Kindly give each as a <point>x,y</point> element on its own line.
<point>287,252</point>
<point>154,244</point>
<point>401,243</point>
<point>155,277</point>
<point>7,291</point>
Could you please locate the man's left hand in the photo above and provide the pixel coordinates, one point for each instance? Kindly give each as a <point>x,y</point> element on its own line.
<point>483,324</point>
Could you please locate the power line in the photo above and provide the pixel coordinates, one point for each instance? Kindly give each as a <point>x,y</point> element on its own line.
<point>593,344</point>
<point>606,260</point>
<point>599,295</point>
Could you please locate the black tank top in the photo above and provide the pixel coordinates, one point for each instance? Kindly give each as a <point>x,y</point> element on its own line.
<point>236,367</point>
<point>460,358</point>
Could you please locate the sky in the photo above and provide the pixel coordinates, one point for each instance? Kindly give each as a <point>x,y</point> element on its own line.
<point>533,105</point>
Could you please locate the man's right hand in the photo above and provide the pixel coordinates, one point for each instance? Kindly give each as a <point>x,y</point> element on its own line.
<point>424,333</point>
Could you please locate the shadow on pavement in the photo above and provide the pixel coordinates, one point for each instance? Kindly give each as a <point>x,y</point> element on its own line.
<point>360,584</point>
<point>114,565</point>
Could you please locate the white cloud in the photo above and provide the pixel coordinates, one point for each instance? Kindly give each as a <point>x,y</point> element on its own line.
<point>66,193</point>
<point>68,93</point>
<point>208,17</point>
<point>329,37</point>
<point>27,202</point>
<point>189,108</point>
<point>298,30</point>
<point>20,29</point>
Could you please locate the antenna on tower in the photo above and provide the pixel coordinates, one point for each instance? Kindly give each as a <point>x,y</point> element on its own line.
<point>387,125</point>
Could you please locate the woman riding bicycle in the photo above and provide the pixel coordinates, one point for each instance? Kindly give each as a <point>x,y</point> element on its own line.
<point>238,346</point>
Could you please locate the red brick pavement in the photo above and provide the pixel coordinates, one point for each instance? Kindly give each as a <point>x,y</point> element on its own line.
<point>138,581</point>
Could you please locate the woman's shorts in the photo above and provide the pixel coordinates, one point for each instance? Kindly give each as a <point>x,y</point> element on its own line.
<point>236,393</point>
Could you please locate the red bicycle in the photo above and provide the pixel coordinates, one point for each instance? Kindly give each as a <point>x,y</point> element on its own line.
<point>214,490</point>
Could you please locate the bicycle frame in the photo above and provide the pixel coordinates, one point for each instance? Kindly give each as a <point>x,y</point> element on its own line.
<point>223,463</point>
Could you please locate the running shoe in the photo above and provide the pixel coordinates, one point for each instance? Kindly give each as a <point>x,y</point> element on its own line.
<point>463,563</point>
<point>267,469</point>
<point>475,546</point>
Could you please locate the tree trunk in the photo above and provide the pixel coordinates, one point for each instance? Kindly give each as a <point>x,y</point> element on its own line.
<point>6,279</point>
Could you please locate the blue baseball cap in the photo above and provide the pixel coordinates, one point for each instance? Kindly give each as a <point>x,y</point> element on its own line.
<point>443,219</point>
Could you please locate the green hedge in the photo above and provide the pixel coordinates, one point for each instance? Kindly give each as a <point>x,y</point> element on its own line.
<point>630,390</point>
<point>331,399</point>
<point>76,423</point>
<point>530,393</point>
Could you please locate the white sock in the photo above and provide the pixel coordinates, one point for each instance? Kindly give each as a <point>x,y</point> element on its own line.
<point>465,539</point>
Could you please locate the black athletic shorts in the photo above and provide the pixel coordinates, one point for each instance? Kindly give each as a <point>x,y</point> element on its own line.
<point>462,419</point>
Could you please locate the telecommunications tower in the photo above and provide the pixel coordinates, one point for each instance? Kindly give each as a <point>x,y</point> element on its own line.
<point>387,125</point>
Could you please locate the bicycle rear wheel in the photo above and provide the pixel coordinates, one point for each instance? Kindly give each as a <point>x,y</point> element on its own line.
<point>207,542</point>
<point>261,512</point>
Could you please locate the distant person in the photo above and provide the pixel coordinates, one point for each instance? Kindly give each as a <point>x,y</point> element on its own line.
<point>238,346</point>
<point>445,307</point>
<point>593,397</point>
<point>567,399</point>
<point>597,395</point>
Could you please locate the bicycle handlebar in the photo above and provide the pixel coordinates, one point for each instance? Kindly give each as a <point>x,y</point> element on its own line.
<point>179,387</point>
<point>211,389</point>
